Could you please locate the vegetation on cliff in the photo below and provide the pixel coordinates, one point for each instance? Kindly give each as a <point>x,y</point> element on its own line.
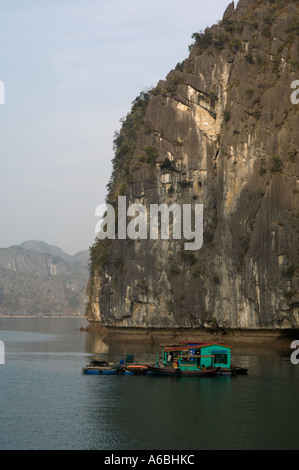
<point>124,145</point>
<point>220,130</point>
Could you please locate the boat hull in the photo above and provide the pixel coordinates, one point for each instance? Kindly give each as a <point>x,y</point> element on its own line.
<point>232,371</point>
<point>137,369</point>
<point>100,371</point>
<point>177,372</point>
<point>223,372</point>
<point>239,370</point>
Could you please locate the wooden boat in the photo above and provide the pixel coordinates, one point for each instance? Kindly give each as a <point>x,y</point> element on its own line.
<point>136,369</point>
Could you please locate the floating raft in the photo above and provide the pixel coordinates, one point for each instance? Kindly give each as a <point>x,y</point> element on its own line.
<point>101,367</point>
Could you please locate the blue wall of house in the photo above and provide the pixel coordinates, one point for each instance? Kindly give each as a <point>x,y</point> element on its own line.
<point>215,349</point>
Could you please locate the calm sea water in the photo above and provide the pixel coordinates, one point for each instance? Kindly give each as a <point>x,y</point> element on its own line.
<point>47,403</point>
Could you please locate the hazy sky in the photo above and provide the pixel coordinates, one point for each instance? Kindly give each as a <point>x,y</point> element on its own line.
<point>71,70</point>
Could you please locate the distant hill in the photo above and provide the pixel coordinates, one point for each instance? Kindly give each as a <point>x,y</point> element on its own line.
<point>82,257</point>
<point>42,280</point>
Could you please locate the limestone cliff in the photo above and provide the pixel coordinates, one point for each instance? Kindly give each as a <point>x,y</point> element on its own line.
<point>221,131</point>
<point>36,282</point>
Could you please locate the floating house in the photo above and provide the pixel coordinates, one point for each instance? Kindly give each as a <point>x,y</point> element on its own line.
<point>194,358</point>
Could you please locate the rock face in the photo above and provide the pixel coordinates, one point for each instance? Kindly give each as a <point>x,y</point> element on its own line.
<point>221,131</point>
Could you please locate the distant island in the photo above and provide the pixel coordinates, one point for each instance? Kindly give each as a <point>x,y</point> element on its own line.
<point>38,279</point>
